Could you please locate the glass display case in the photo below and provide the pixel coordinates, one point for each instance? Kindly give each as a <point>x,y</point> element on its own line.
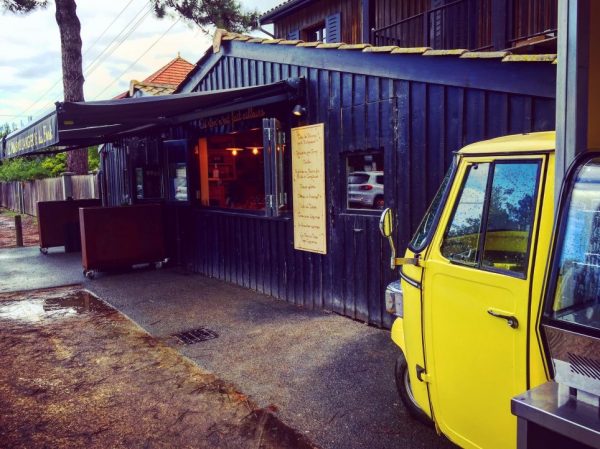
<point>572,311</point>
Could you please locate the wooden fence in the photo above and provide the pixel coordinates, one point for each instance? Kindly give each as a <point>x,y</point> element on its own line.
<point>23,196</point>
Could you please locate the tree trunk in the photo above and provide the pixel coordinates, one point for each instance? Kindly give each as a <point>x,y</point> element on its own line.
<point>70,40</point>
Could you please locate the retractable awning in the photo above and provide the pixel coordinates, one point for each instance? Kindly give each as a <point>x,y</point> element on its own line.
<point>79,124</point>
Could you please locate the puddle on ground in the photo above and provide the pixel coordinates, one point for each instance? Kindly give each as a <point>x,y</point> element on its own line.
<point>42,308</point>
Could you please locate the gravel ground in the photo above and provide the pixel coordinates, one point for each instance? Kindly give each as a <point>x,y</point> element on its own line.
<point>76,373</point>
<point>7,229</point>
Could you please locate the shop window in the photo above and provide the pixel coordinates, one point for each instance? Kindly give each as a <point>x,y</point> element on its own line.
<point>244,170</point>
<point>235,170</point>
<point>147,169</point>
<point>176,151</point>
<point>315,33</point>
<point>365,184</point>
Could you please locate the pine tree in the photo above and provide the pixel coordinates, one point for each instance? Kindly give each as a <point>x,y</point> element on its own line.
<point>222,13</point>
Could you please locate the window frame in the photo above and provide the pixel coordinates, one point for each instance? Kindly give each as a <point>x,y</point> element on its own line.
<point>277,173</point>
<point>167,167</point>
<point>344,163</point>
<point>445,194</point>
<point>539,161</point>
<point>560,227</point>
<point>315,29</point>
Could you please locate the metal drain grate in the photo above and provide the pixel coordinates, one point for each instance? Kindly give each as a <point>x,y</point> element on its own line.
<point>195,335</point>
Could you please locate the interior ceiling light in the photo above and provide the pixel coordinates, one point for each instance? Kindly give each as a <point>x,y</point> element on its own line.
<point>234,150</point>
<point>255,149</point>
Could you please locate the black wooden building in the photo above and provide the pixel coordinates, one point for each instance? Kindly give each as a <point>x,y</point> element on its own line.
<point>224,172</point>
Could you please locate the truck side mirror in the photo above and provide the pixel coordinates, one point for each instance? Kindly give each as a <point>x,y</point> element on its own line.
<point>386,227</point>
<point>386,223</point>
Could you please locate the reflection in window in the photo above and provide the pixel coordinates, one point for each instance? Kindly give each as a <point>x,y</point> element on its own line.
<point>576,298</point>
<point>146,161</point>
<point>365,181</point>
<point>510,216</point>
<point>420,237</point>
<point>176,151</point>
<point>148,182</point>
<point>461,243</point>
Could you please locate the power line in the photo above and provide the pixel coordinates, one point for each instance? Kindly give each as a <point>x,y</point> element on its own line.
<point>103,54</point>
<point>121,37</point>
<point>107,28</point>
<point>136,61</point>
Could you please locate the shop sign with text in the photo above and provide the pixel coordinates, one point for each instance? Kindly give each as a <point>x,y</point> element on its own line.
<point>308,177</point>
<point>231,118</point>
<point>35,137</point>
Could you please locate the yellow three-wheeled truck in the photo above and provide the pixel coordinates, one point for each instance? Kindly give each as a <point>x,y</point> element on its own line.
<point>469,302</point>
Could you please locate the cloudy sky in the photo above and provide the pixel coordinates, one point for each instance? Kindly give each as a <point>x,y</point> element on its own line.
<point>122,40</point>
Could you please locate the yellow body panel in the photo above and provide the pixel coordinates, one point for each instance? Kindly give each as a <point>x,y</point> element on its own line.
<point>475,363</point>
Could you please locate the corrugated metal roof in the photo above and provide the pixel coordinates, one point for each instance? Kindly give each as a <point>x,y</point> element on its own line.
<point>282,9</point>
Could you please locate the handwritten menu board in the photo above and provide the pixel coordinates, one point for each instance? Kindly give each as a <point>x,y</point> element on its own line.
<point>308,175</point>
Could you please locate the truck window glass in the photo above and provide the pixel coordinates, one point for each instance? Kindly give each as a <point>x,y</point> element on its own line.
<point>461,242</point>
<point>510,216</point>
<point>429,219</point>
<point>576,298</point>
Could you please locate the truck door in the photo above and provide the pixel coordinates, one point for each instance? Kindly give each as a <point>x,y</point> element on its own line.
<point>476,294</point>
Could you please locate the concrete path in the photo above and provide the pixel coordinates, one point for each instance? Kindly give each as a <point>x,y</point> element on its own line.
<point>328,376</point>
<point>27,268</point>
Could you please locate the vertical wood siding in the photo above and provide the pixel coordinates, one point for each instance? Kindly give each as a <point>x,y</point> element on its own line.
<point>350,11</point>
<point>418,125</point>
<point>532,17</point>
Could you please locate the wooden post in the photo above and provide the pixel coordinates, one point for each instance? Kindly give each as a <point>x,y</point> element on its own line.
<point>577,84</point>
<point>67,185</point>
<point>18,230</point>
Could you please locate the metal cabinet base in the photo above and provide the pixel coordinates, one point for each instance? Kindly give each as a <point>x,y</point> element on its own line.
<point>120,237</point>
<point>548,417</point>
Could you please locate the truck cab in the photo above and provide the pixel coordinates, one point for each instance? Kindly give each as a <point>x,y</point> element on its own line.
<point>468,302</point>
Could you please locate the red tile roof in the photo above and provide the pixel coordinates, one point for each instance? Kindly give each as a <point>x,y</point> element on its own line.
<point>171,74</point>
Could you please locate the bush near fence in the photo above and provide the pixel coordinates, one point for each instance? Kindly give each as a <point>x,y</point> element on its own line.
<point>23,196</point>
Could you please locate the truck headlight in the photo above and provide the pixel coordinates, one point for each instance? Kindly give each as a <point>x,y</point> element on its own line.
<point>394,299</point>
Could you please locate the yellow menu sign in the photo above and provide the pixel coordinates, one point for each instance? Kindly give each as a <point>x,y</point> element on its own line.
<point>308,176</point>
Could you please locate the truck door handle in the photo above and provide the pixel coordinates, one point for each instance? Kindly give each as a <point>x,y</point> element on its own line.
<point>511,320</point>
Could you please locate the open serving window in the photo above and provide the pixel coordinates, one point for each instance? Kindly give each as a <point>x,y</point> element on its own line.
<point>245,170</point>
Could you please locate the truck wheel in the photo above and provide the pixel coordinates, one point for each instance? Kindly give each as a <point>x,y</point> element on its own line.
<point>405,392</point>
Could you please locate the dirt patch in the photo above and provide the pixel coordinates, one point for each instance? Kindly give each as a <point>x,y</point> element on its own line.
<point>7,229</point>
<point>77,373</point>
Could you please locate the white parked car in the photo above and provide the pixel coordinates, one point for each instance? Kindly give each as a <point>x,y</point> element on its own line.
<point>365,189</point>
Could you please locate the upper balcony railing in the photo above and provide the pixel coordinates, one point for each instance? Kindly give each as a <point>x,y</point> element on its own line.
<point>471,24</point>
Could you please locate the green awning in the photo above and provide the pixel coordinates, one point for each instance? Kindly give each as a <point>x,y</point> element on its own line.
<point>80,124</point>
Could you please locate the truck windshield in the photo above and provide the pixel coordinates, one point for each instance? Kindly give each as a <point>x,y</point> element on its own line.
<point>577,278</point>
<point>431,217</point>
